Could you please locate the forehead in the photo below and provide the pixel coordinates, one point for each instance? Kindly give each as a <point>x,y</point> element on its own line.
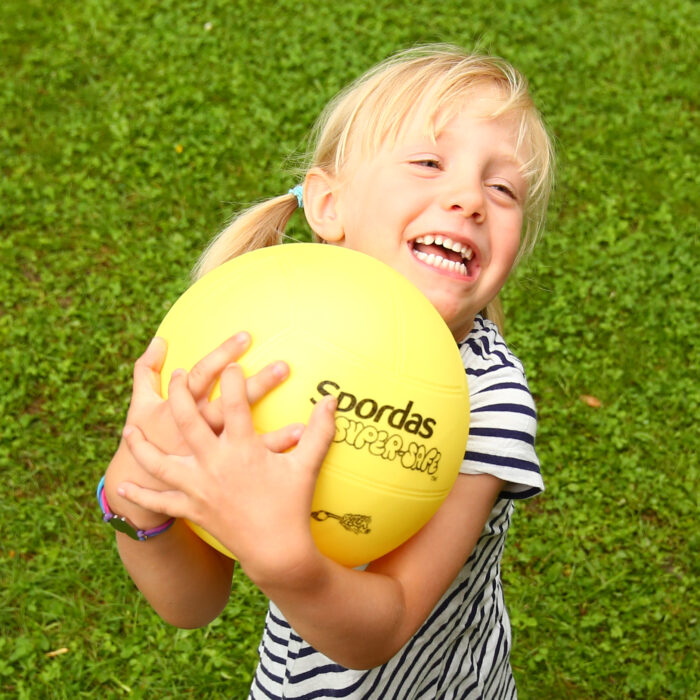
<point>479,123</point>
<point>432,120</point>
<point>430,114</point>
<point>383,123</point>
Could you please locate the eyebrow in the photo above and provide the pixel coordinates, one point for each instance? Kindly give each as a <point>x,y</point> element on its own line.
<point>425,145</point>
<point>514,159</point>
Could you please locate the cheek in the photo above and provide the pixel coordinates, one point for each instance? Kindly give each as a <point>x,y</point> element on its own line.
<point>515,235</point>
<point>515,245</point>
<point>509,246</point>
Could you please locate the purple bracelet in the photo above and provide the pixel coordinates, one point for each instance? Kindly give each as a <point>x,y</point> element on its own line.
<point>120,523</point>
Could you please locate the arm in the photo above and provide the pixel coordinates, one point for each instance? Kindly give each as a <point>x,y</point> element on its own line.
<point>258,504</point>
<point>361,619</point>
<point>186,581</point>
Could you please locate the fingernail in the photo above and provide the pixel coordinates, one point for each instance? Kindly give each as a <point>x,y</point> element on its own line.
<point>331,403</point>
<point>243,338</point>
<point>121,490</point>
<point>127,431</point>
<point>177,373</point>
<point>280,369</point>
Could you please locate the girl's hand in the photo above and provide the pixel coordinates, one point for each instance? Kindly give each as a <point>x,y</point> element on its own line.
<point>152,415</point>
<point>237,485</point>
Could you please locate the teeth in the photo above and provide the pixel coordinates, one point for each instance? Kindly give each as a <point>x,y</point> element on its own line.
<point>441,263</point>
<point>464,250</point>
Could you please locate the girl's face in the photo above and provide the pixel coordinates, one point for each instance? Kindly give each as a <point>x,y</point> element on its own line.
<point>446,214</point>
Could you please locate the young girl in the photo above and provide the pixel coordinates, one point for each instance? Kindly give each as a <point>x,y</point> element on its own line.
<point>438,164</point>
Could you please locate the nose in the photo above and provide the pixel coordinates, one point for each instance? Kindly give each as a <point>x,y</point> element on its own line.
<point>465,199</point>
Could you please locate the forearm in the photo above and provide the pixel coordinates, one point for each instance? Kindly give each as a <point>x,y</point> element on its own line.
<point>356,618</point>
<point>360,619</point>
<point>184,579</point>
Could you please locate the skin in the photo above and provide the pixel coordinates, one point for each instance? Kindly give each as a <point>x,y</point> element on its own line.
<point>467,184</point>
<point>163,559</point>
<point>183,458</point>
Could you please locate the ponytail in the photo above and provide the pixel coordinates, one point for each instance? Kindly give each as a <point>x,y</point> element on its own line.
<point>260,226</point>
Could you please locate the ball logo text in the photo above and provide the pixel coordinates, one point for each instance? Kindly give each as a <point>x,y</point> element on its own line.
<point>388,445</point>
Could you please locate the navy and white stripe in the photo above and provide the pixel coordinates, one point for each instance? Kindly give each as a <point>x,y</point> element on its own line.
<point>503,420</point>
<point>462,650</point>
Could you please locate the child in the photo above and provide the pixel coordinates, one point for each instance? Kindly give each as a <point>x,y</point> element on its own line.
<point>434,162</point>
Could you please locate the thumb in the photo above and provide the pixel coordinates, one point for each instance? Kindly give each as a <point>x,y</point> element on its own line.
<point>318,436</point>
<point>147,368</point>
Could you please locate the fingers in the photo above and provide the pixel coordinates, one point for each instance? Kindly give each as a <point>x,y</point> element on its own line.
<point>168,469</point>
<point>193,427</point>
<point>147,367</point>
<point>284,438</point>
<point>171,503</point>
<point>266,380</point>
<point>318,436</point>
<point>238,421</point>
<point>204,374</point>
<point>150,457</point>
<point>213,415</point>
<point>257,387</point>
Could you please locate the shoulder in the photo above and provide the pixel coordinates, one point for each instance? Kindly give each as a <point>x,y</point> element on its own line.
<point>485,354</point>
<point>492,369</point>
<point>503,421</point>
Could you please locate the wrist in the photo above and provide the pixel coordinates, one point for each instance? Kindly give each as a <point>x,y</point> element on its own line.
<point>121,523</point>
<point>294,570</point>
<point>124,468</point>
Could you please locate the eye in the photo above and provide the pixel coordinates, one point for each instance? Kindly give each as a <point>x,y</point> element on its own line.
<point>505,189</point>
<point>427,163</point>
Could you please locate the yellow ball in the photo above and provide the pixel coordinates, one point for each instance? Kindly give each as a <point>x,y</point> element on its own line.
<point>353,327</point>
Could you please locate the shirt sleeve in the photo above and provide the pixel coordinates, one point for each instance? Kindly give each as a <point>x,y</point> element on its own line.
<point>503,420</point>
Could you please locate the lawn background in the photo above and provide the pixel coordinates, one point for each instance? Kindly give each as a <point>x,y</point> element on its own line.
<point>129,131</point>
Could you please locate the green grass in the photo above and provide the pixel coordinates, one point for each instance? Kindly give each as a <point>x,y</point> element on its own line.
<point>128,134</point>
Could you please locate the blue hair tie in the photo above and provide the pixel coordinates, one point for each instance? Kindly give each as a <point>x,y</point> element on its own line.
<point>298,192</point>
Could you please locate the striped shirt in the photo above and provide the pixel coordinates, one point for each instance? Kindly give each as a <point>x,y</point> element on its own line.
<point>462,649</point>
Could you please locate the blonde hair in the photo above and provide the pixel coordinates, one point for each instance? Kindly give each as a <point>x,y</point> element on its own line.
<point>371,111</point>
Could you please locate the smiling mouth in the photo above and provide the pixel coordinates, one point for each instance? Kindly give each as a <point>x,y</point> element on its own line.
<point>443,253</point>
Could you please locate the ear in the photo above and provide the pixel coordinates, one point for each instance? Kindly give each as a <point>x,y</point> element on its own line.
<point>321,205</point>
